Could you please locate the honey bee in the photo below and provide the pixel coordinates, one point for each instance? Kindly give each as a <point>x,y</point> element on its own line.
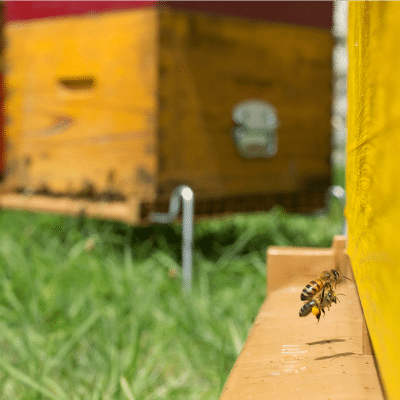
<point>330,298</point>
<point>308,307</point>
<point>326,300</point>
<point>317,304</point>
<point>325,280</point>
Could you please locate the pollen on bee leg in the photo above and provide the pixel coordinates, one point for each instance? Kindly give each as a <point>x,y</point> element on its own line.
<point>315,310</point>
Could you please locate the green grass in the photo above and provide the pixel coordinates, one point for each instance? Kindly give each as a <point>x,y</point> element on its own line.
<point>94,310</point>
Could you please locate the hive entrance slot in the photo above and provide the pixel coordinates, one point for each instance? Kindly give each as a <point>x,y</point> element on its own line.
<point>77,83</point>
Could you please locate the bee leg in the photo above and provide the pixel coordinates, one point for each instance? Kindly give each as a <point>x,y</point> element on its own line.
<point>318,316</point>
<point>328,289</point>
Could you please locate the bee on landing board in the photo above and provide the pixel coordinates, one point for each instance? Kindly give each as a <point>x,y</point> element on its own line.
<point>317,304</point>
<point>325,280</point>
<point>326,300</point>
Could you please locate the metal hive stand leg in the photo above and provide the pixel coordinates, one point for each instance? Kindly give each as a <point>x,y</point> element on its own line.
<point>187,228</point>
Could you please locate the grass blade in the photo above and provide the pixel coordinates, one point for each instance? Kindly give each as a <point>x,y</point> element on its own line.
<point>80,331</point>
<point>27,380</point>
<point>52,383</point>
<point>126,389</point>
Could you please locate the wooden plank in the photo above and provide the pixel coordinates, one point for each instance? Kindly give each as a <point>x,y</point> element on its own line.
<point>207,66</point>
<point>127,212</point>
<point>83,104</point>
<point>288,357</point>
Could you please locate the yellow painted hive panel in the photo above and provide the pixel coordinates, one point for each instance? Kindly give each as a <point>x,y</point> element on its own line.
<point>372,176</point>
<point>83,104</point>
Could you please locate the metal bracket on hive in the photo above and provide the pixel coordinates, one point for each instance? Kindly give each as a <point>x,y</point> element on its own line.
<point>255,133</point>
<point>187,228</point>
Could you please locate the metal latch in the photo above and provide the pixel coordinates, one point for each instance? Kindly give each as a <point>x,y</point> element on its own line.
<point>255,133</point>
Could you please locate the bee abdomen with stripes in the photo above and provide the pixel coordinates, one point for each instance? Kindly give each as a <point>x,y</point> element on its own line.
<point>312,289</point>
<point>307,307</point>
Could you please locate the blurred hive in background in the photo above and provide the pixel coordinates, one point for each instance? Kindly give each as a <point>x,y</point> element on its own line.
<point>120,102</point>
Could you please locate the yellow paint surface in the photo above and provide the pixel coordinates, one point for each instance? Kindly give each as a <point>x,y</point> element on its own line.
<point>373,175</point>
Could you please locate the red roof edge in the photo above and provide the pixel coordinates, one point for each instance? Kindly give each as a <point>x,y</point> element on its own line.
<point>307,13</point>
<point>26,10</point>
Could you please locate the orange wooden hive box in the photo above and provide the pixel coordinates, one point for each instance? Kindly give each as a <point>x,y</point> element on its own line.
<point>111,105</point>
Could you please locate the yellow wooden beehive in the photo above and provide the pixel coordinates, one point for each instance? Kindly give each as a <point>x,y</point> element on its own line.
<point>123,107</point>
<point>373,178</point>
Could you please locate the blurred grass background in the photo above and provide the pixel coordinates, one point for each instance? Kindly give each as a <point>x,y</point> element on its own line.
<point>94,310</point>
